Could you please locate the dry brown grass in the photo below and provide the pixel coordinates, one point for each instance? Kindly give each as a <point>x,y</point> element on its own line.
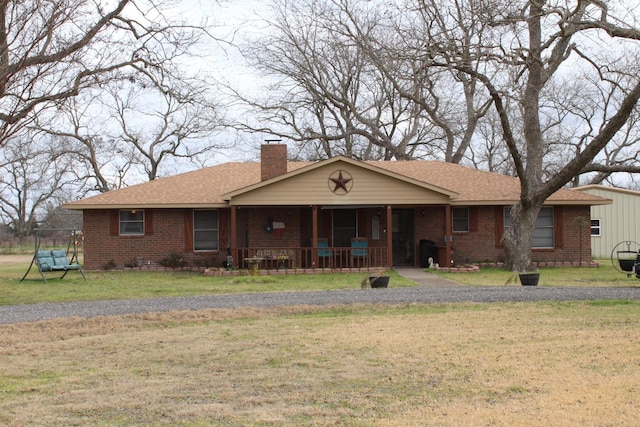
<point>442,365</point>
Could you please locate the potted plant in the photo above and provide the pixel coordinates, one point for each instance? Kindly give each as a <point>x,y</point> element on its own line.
<point>530,278</point>
<point>379,280</point>
<point>282,261</point>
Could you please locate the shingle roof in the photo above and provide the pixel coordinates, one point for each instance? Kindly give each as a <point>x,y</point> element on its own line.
<point>205,187</point>
<point>475,186</point>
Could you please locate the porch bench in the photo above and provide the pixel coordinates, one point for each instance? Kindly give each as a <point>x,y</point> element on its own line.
<point>276,258</point>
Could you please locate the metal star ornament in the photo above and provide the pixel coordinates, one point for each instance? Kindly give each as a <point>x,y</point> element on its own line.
<point>340,182</point>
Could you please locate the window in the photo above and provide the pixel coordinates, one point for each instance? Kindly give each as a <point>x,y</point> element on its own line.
<point>544,231</point>
<point>596,230</point>
<point>460,219</point>
<point>205,230</point>
<point>132,223</point>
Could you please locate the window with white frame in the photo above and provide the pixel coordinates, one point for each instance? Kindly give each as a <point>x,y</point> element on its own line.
<point>132,222</point>
<point>460,219</point>
<point>543,235</point>
<point>205,230</point>
<point>596,230</point>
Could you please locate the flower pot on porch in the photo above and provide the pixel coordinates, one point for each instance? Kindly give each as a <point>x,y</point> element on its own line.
<point>379,281</point>
<point>529,279</point>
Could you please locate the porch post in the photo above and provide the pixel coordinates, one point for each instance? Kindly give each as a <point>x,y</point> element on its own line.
<point>389,237</point>
<point>233,245</point>
<point>447,236</point>
<point>314,236</point>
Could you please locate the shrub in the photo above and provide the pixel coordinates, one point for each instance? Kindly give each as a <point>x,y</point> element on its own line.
<point>173,260</point>
<point>109,265</point>
<point>131,264</point>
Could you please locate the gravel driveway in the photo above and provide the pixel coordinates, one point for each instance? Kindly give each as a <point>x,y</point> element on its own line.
<point>420,294</point>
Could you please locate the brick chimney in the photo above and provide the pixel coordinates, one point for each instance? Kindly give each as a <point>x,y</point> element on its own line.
<point>273,160</point>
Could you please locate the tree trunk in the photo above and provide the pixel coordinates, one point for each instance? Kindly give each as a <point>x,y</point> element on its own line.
<point>518,237</point>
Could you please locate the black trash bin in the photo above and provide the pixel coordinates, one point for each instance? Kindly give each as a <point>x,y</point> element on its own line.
<point>427,250</point>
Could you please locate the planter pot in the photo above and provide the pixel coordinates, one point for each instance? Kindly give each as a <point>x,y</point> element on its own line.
<point>379,281</point>
<point>529,279</point>
<point>626,265</point>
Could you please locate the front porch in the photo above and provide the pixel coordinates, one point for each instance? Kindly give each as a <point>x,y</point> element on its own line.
<point>336,237</point>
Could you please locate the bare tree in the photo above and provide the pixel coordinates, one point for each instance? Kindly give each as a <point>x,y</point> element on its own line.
<point>489,152</point>
<point>50,50</point>
<point>130,130</point>
<point>156,126</point>
<point>77,130</point>
<point>452,102</point>
<point>352,78</point>
<point>329,94</point>
<point>67,65</point>
<point>34,177</point>
<point>534,46</point>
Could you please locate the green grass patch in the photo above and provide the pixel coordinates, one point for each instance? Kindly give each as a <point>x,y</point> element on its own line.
<point>110,285</point>
<point>605,275</point>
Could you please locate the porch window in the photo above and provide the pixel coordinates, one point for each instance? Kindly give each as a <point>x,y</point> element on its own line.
<point>596,229</point>
<point>460,219</point>
<point>205,230</point>
<point>544,232</point>
<point>131,222</point>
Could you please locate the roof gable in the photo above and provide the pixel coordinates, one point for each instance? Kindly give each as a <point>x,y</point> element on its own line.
<point>339,181</point>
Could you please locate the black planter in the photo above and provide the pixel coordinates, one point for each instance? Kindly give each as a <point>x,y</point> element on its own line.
<point>529,279</point>
<point>626,265</point>
<point>379,281</point>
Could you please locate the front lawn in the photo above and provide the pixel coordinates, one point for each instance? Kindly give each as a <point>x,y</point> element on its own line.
<point>109,285</point>
<point>605,275</point>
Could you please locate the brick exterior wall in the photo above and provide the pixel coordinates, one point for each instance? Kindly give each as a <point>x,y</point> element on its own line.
<point>255,221</point>
<point>480,244</point>
<point>101,246</point>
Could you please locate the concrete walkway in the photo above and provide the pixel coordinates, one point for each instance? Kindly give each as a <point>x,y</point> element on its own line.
<point>423,278</point>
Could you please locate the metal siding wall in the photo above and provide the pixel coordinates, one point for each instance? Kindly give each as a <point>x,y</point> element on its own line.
<point>618,221</point>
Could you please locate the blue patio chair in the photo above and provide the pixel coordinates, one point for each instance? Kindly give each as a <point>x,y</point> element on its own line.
<point>359,251</point>
<point>324,253</point>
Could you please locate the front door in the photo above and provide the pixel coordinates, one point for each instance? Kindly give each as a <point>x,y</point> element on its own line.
<point>402,237</point>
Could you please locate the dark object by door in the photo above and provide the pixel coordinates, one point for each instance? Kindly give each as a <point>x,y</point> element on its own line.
<point>427,250</point>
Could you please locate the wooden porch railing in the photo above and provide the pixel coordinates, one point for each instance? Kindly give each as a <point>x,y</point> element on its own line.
<point>298,257</point>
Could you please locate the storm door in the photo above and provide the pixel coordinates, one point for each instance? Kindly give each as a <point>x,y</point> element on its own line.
<point>344,227</point>
<point>402,237</point>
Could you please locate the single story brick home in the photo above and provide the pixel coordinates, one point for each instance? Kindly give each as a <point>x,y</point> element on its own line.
<point>335,213</point>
